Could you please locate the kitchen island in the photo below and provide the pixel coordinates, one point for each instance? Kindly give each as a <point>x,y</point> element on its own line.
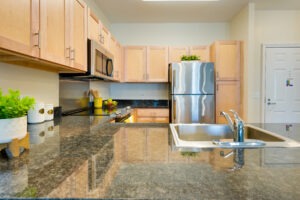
<point>87,157</point>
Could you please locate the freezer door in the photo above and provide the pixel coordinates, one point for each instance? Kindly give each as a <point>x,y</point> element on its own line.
<point>192,109</point>
<point>192,77</point>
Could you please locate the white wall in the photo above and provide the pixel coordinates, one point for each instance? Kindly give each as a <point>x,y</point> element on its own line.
<point>42,85</point>
<point>271,27</point>
<point>170,33</point>
<point>242,28</point>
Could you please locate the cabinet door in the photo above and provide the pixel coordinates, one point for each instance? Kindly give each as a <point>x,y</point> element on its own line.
<point>201,51</point>
<point>226,56</point>
<point>227,97</point>
<point>78,34</point>
<point>53,31</point>
<point>93,26</point>
<point>118,65</point>
<point>116,50</point>
<point>157,144</point>
<point>157,64</point>
<point>136,144</point>
<point>135,63</point>
<point>104,37</point>
<point>19,26</point>
<point>175,53</point>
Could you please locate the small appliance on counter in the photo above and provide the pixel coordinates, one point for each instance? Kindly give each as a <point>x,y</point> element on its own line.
<point>36,114</point>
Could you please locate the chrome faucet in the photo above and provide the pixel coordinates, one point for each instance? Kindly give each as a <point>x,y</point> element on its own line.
<point>237,126</point>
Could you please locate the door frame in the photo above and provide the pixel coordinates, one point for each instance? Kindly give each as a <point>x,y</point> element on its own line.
<point>264,74</point>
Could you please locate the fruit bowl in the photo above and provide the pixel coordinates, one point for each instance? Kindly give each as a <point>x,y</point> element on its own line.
<point>110,104</point>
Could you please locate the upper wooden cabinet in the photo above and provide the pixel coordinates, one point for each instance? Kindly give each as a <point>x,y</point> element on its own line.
<point>226,56</point>
<point>54,31</point>
<point>135,63</point>
<point>201,51</point>
<point>19,26</point>
<point>117,51</point>
<point>93,26</point>
<point>157,64</point>
<point>53,27</point>
<point>77,42</point>
<point>146,64</point>
<point>97,31</point>
<point>104,37</point>
<point>175,53</point>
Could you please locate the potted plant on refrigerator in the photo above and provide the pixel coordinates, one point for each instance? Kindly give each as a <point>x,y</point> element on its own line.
<point>13,115</point>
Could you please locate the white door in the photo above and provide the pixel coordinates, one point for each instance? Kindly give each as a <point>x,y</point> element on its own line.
<point>282,96</point>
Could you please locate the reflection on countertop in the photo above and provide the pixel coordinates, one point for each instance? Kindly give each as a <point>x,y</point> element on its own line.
<point>85,158</point>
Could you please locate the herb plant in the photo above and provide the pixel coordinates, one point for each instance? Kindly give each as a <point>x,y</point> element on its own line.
<point>13,106</point>
<point>192,57</point>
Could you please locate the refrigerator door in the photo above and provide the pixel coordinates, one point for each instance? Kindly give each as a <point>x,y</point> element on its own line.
<point>192,77</point>
<point>192,109</point>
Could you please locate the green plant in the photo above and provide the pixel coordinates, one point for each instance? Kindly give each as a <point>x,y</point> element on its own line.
<point>12,105</point>
<point>28,192</point>
<point>192,57</point>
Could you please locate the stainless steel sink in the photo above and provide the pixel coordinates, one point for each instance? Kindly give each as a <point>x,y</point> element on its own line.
<point>220,136</point>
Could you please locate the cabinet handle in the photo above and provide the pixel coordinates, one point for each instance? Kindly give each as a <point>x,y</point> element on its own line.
<point>38,40</point>
<point>68,52</point>
<point>72,54</point>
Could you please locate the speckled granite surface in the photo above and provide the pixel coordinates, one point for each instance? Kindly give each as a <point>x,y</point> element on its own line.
<point>85,157</point>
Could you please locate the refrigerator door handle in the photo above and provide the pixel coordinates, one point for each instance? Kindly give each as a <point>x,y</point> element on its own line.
<point>174,79</point>
<point>174,110</point>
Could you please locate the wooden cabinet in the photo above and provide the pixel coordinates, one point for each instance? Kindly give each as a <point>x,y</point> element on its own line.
<point>77,42</point>
<point>201,51</point>
<point>146,144</point>
<point>19,26</point>
<point>157,64</point>
<point>155,115</point>
<point>93,26</point>
<point>135,63</point>
<point>116,50</point>
<point>136,144</point>
<point>146,64</point>
<point>175,53</point>
<point>227,97</point>
<point>53,31</point>
<point>226,56</point>
<point>104,37</point>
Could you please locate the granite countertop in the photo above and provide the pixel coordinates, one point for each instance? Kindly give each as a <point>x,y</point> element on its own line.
<point>86,157</point>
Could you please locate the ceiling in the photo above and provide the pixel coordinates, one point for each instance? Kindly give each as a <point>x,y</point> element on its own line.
<point>137,11</point>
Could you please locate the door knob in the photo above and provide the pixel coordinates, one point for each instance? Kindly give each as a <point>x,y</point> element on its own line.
<point>270,103</point>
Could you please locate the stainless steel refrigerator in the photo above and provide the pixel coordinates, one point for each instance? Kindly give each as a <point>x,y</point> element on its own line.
<point>192,92</point>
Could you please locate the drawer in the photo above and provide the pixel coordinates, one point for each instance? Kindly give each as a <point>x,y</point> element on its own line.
<point>152,112</point>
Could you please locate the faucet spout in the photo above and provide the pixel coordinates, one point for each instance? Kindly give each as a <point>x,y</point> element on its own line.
<point>236,126</point>
<point>229,121</point>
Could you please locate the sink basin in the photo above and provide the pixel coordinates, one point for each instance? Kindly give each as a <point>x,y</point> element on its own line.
<point>220,136</point>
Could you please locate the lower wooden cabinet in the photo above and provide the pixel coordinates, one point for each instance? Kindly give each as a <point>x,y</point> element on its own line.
<point>155,115</point>
<point>227,97</point>
<point>146,144</point>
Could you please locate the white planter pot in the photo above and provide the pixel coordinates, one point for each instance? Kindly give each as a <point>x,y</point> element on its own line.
<point>13,128</point>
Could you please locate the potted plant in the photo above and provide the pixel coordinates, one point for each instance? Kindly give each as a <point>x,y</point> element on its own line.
<point>13,119</point>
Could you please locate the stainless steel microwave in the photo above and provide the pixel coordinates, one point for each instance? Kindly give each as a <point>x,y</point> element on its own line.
<point>99,63</point>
